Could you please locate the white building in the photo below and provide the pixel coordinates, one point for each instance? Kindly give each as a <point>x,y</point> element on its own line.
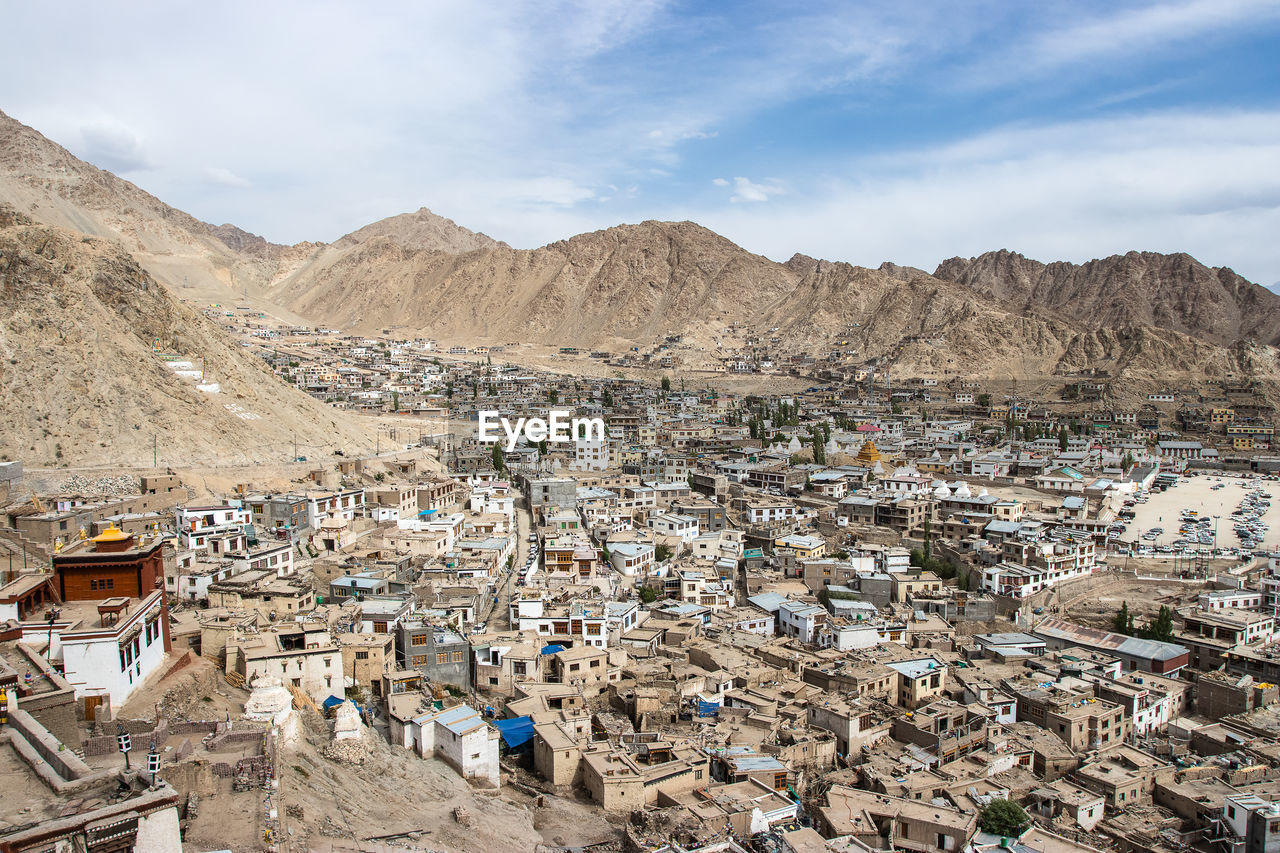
<point>459,737</point>
<point>631,558</point>
<point>303,655</point>
<point>114,657</point>
<point>590,454</point>
<point>345,504</point>
<point>683,526</point>
<point>212,529</point>
<point>802,620</point>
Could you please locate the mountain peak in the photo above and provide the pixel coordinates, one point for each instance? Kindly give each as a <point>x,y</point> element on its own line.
<point>422,229</point>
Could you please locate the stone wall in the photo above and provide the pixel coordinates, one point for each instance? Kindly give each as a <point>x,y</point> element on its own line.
<point>64,762</point>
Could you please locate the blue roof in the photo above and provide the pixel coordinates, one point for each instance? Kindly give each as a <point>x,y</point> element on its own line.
<point>515,732</point>
<point>768,601</point>
<point>459,719</point>
<point>755,763</point>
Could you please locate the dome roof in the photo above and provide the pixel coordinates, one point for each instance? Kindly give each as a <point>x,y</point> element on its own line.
<point>111,534</point>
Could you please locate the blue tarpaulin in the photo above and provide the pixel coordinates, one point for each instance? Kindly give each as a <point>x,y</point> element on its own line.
<point>516,731</point>
<point>552,649</point>
<point>329,703</point>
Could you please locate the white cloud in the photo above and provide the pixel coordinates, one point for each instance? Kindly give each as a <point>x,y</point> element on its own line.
<point>534,123</point>
<point>747,190</point>
<point>1204,183</point>
<point>112,145</point>
<point>225,177</point>
<point>1125,34</point>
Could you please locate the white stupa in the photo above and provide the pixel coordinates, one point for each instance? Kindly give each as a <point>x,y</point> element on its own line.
<point>346,722</point>
<point>942,492</point>
<point>963,491</point>
<point>269,702</point>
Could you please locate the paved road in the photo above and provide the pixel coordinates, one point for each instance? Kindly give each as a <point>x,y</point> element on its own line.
<point>497,614</point>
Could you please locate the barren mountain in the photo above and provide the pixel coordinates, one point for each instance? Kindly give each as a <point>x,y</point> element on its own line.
<point>82,331</point>
<point>422,229</point>
<point>630,283</point>
<point>194,259</point>
<point>1163,318</point>
<point>1174,292</point>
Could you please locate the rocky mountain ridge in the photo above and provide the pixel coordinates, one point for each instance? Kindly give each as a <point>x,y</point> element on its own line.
<point>1000,314</point>
<point>90,352</point>
<point>1174,292</point>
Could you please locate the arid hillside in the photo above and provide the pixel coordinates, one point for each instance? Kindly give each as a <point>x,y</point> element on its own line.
<point>83,329</point>
<point>630,283</point>
<point>1156,318</point>
<point>1174,292</point>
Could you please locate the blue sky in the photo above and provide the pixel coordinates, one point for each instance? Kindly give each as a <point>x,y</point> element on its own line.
<point>863,132</point>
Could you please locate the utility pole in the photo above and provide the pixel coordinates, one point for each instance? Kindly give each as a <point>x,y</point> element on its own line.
<point>155,450</point>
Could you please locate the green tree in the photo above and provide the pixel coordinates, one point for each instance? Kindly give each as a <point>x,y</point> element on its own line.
<point>648,595</point>
<point>984,400</point>
<point>819,451</point>
<point>542,447</point>
<point>661,553</point>
<point>448,390</point>
<point>395,401</point>
<point>499,463</point>
<point>928,540</point>
<point>1122,622</point>
<point>1003,817</point>
<point>666,383</point>
<point>1063,438</point>
<point>896,409</point>
<point>1160,628</point>
<point>553,396</point>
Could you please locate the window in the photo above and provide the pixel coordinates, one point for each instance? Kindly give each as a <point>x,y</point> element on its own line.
<point>457,657</point>
<point>419,660</point>
<point>362,655</point>
<point>442,657</point>
<point>418,640</point>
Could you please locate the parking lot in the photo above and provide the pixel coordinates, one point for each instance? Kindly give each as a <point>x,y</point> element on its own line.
<point>1164,509</point>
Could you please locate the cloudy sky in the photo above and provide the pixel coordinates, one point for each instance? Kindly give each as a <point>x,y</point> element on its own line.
<point>860,131</point>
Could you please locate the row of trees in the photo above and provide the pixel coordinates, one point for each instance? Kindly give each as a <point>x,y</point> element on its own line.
<point>1160,628</point>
